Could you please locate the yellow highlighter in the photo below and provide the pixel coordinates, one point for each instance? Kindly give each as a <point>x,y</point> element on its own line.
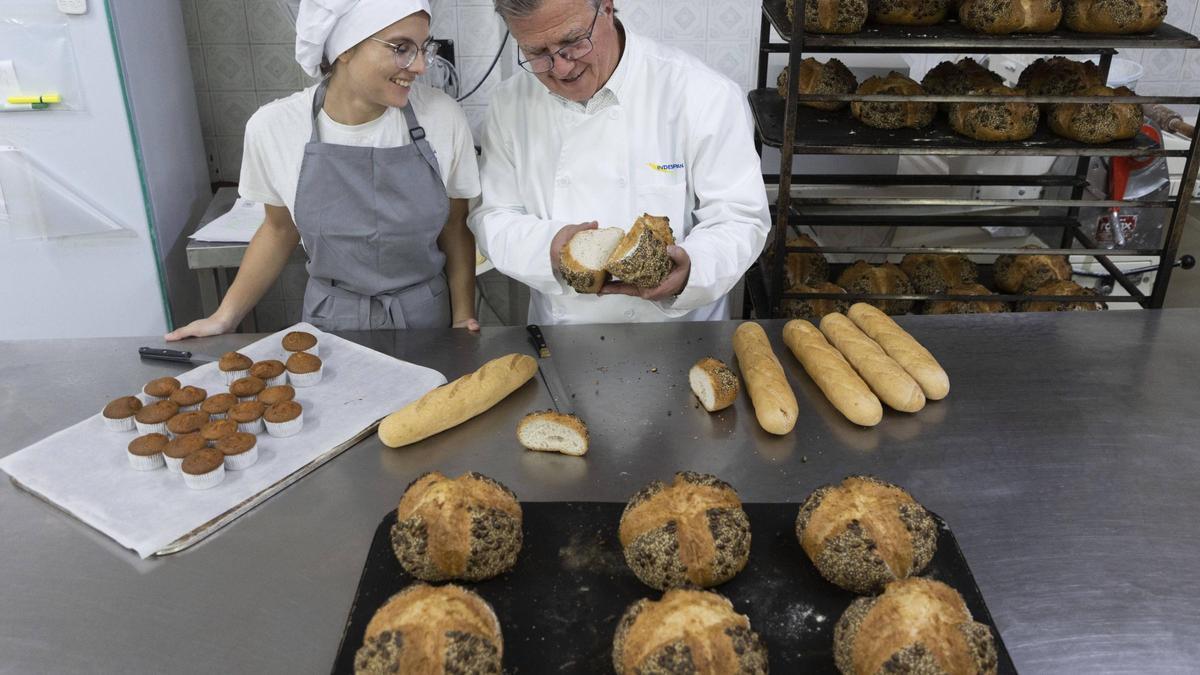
<point>44,98</point>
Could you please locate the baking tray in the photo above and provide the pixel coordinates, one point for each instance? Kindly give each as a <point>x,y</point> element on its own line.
<point>560,604</point>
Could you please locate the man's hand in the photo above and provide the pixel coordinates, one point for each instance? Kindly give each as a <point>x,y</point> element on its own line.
<point>671,286</point>
<point>470,324</point>
<point>564,235</point>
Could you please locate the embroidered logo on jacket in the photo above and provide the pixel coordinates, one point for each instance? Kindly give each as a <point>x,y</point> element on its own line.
<point>665,168</point>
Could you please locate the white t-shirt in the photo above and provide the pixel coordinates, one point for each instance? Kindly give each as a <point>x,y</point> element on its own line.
<point>277,133</point>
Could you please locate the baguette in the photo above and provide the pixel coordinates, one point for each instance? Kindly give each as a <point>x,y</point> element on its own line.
<point>887,379</point>
<point>904,348</point>
<point>456,402</point>
<point>774,403</point>
<point>828,368</point>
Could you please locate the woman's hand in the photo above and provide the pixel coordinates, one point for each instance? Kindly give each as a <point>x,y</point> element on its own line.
<point>470,324</point>
<point>201,328</point>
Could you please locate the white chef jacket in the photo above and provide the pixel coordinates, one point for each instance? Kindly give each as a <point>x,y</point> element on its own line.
<point>668,136</point>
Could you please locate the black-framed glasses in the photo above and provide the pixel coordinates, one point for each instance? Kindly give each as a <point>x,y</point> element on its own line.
<point>406,51</point>
<point>572,51</point>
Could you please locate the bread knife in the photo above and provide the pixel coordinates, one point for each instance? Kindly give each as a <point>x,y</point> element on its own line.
<point>549,373</point>
<point>174,355</point>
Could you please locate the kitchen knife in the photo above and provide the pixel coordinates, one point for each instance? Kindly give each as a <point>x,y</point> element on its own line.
<point>549,373</point>
<point>175,355</point>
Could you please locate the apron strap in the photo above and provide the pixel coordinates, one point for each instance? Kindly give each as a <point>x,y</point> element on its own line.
<point>417,133</point>
<point>318,103</point>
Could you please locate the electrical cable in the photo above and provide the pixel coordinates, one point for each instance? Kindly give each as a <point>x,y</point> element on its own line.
<point>499,52</point>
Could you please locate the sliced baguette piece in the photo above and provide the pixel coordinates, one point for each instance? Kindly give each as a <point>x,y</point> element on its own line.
<point>890,382</point>
<point>550,431</point>
<point>452,404</point>
<point>714,384</point>
<point>641,258</point>
<point>582,260</point>
<point>904,348</point>
<point>774,403</point>
<point>829,369</point>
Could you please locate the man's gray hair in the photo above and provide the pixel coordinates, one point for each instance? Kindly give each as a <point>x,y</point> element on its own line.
<point>519,9</point>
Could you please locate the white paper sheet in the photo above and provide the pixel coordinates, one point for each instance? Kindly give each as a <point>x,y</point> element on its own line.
<point>238,225</point>
<point>84,469</point>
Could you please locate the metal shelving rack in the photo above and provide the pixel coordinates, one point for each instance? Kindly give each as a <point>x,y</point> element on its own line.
<point>837,133</point>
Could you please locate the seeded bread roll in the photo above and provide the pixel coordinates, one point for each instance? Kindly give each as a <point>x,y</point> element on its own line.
<point>913,114</point>
<point>804,269</point>
<point>465,528</point>
<point>692,531</point>
<point>582,260</point>
<point>916,626</point>
<point>1060,288</point>
<point>967,307</point>
<point>995,122</point>
<point>641,258</point>
<point>432,630</point>
<point>862,277</point>
<point>1024,273</point>
<point>865,532</point>
<point>1096,123</point>
<point>831,16</point>
<point>687,631</point>
<point>909,12</point>
<point>934,273</point>
<point>843,387</point>
<point>831,77</point>
<point>775,404</point>
<point>551,431</point>
<point>1114,17</point>
<point>887,378</point>
<point>1001,17</point>
<point>1059,76</point>
<point>713,383</point>
<point>957,79</point>
<point>814,309</point>
<point>904,348</point>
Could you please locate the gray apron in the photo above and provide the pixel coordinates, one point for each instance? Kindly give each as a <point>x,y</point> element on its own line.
<point>369,219</point>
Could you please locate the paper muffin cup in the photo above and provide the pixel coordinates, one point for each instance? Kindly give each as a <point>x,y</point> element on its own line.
<point>255,427</point>
<point>305,379</point>
<point>205,480</point>
<point>160,428</point>
<point>285,429</point>
<point>277,380</point>
<point>174,465</point>
<point>233,375</point>
<point>241,461</point>
<point>141,463</point>
<point>126,424</point>
<point>213,417</point>
<point>315,350</point>
<point>189,408</point>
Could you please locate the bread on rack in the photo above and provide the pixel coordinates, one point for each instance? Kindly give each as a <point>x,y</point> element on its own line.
<point>831,16</point>
<point>691,532</point>
<point>863,277</point>
<point>1060,288</point>
<point>804,269</point>
<point>641,258</point>
<point>865,532</point>
<point>582,260</point>
<point>1059,76</point>
<point>967,306</point>
<point>914,114</point>
<point>949,78</point>
<point>1002,17</point>
<point>1026,272</point>
<point>831,77</point>
<point>713,383</point>
<point>916,626</point>
<point>933,273</point>
<point>1096,123</point>
<point>1114,17</point>
<point>995,122</point>
<point>814,308</point>
<point>909,12</point>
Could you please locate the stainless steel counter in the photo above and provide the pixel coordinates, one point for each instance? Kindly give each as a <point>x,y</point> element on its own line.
<point>1065,460</point>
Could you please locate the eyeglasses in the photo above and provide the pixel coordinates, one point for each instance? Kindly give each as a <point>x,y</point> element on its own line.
<point>572,51</point>
<point>406,51</point>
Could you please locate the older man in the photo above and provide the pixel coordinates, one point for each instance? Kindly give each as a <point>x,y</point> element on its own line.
<point>603,126</point>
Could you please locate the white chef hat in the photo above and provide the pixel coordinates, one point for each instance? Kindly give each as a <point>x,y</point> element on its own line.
<point>327,28</point>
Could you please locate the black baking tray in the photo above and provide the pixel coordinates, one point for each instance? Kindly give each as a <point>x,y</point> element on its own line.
<point>560,604</point>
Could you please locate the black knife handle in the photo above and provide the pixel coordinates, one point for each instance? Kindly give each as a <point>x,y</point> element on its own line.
<point>539,342</point>
<point>165,354</point>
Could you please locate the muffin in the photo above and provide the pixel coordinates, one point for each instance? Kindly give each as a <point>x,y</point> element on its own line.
<point>234,366</point>
<point>465,528</point>
<point>967,307</point>
<point>299,341</point>
<point>916,626</point>
<point>283,419</point>
<point>277,394</point>
<point>186,423</point>
<point>119,413</point>
<point>204,468</point>
<point>188,398</point>
<point>270,371</point>
<point>304,369</point>
<point>248,415</point>
<point>864,533</point>
<point>247,388</point>
<point>218,429</point>
<point>687,631</point>
<point>179,448</point>
<point>911,114</point>
<point>218,406</point>
<point>240,450</point>
<point>152,419</point>
<point>146,452</point>
<point>692,531</point>
<point>432,629</point>
<point>160,389</point>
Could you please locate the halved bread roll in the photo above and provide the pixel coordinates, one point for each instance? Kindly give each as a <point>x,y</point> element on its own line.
<point>641,258</point>
<point>714,384</point>
<point>550,431</point>
<point>582,260</point>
